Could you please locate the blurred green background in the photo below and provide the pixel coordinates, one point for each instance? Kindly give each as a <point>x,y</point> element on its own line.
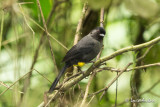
<point>127,23</point>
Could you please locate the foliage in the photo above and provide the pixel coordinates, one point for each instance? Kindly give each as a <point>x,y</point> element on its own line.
<point>127,23</point>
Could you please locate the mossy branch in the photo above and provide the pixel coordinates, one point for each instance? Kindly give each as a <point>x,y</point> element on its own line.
<point>75,80</point>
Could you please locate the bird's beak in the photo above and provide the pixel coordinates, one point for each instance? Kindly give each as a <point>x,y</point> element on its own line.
<point>102,35</point>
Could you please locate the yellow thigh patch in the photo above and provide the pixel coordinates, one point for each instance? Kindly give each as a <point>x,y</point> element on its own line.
<point>80,64</point>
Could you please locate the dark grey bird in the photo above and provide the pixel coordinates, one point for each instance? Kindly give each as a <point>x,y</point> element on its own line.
<point>83,52</point>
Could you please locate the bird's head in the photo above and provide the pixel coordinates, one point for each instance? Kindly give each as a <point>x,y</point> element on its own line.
<point>98,33</point>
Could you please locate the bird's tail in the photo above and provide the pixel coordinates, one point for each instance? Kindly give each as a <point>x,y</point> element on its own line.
<point>57,79</point>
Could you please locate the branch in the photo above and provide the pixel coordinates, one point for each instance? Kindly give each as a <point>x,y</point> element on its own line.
<point>149,89</point>
<point>102,17</point>
<point>127,49</point>
<point>106,88</point>
<point>74,81</point>
<point>3,84</point>
<point>140,58</point>
<point>10,87</point>
<point>80,23</point>
<point>97,63</point>
<point>1,31</point>
<point>87,89</point>
<point>101,25</point>
<point>154,94</point>
<point>135,68</point>
<point>138,67</point>
<point>15,83</point>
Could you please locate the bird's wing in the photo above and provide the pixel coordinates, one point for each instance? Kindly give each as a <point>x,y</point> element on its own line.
<point>77,52</point>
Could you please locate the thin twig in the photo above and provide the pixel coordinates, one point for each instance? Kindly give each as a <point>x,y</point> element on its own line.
<point>154,94</point>
<point>79,96</point>
<point>102,17</point>
<point>46,32</point>
<point>106,88</point>
<point>144,66</point>
<point>80,23</point>
<point>56,94</point>
<point>116,91</point>
<point>22,3</point>
<point>42,76</point>
<point>15,83</point>
<point>155,84</point>
<point>13,39</point>
<point>1,33</point>
<point>9,87</point>
<point>90,100</point>
<point>146,52</point>
<point>102,25</point>
<point>50,45</point>
<point>26,20</point>
<point>135,68</point>
<point>3,84</point>
<point>87,89</point>
<point>21,9</point>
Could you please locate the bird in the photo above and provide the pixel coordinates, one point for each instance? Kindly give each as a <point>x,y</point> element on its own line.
<point>83,52</point>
